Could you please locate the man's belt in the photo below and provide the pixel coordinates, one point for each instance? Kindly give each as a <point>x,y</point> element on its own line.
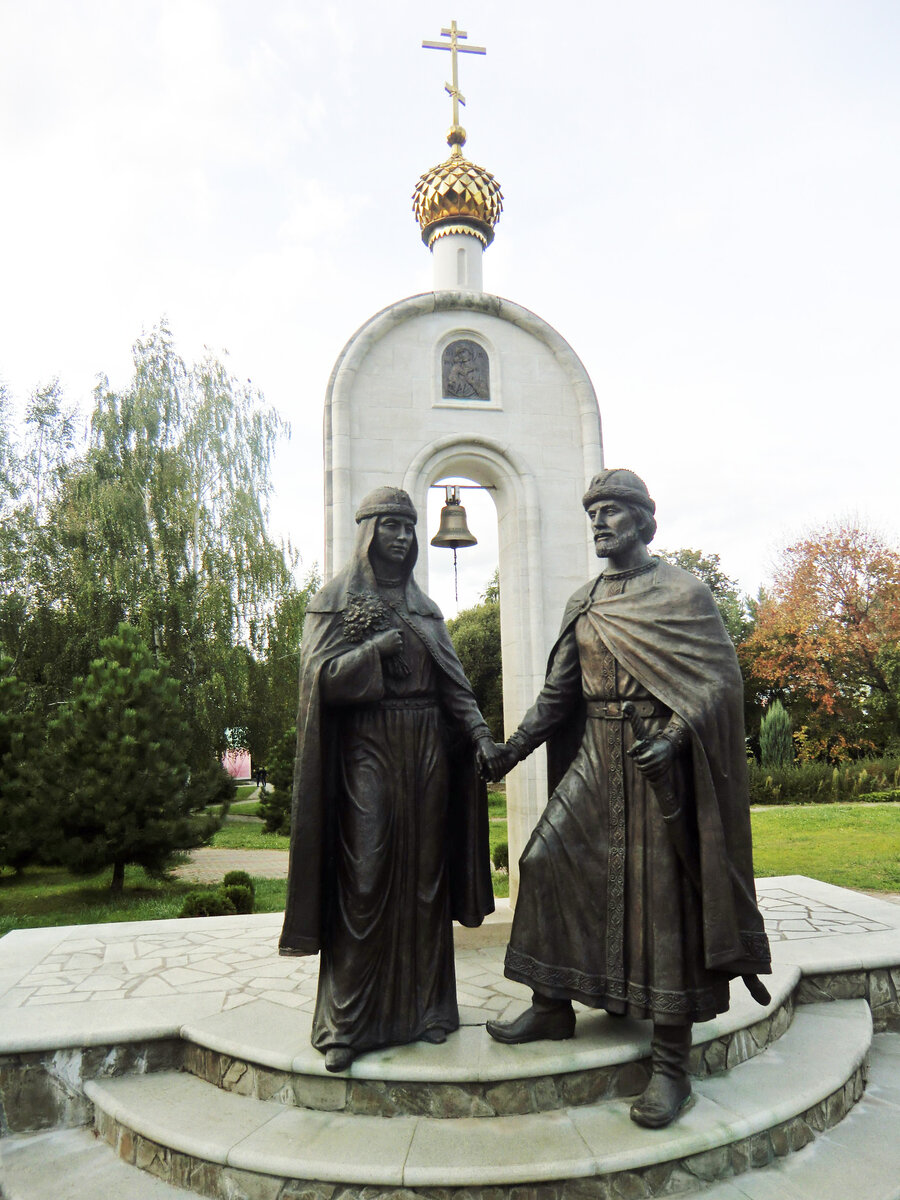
<point>408,702</point>
<point>611,710</point>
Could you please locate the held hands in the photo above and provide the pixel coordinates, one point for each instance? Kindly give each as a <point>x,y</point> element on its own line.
<point>494,759</point>
<point>653,756</point>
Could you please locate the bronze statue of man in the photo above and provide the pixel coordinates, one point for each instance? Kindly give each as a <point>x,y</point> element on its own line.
<point>636,887</point>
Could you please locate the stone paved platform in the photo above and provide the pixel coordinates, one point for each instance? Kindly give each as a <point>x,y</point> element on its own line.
<point>85,985</point>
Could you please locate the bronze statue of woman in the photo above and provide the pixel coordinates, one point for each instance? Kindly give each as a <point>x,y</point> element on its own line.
<point>389,838</point>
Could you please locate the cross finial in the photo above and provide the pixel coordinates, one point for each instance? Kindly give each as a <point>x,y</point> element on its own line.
<point>455,49</point>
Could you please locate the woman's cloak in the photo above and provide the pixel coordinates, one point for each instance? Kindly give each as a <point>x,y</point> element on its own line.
<point>316,772</point>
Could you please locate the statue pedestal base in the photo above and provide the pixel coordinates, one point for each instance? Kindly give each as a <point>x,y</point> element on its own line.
<point>217,1090</point>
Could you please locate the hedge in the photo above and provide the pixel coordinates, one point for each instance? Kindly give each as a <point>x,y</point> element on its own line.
<point>821,783</point>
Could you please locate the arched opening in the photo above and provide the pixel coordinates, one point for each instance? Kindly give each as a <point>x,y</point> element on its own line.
<point>513,491</point>
<point>476,564</point>
<point>474,624</point>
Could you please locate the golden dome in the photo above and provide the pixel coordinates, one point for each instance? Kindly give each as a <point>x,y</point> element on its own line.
<point>457,196</point>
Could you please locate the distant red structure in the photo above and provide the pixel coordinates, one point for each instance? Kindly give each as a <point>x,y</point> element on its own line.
<point>237,763</point>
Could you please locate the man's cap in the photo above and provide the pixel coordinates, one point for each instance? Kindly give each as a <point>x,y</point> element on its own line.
<point>617,483</point>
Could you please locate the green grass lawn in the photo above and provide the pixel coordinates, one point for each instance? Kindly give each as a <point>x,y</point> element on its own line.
<point>497,801</point>
<point>851,845</point>
<point>242,835</point>
<point>44,896</point>
<point>245,808</point>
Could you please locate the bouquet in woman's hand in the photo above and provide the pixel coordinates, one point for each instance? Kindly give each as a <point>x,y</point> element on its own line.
<point>364,615</point>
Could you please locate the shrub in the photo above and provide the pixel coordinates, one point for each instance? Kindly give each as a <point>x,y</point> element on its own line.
<point>776,747</point>
<point>820,783</point>
<point>240,896</point>
<point>207,904</point>
<point>281,762</point>
<point>275,805</point>
<point>239,879</point>
<point>275,810</point>
<point>501,856</point>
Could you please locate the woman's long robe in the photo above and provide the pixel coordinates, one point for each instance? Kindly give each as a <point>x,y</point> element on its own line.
<point>386,974</point>
<point>389,823</point>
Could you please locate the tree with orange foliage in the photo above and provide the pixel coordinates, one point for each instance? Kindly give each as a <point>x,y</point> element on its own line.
<point>827,642</point>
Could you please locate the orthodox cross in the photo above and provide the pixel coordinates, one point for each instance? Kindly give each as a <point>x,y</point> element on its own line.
<point>452,89</point>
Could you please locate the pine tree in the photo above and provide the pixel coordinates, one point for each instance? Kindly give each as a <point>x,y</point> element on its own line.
<point>118,758</point>
<point>776,745</point>
<point>23,815</point>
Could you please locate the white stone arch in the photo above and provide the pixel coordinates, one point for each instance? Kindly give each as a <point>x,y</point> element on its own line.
<point>346,476</point>
<point>385,422</point>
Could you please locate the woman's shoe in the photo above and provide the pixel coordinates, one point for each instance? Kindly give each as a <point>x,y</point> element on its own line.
<point>338,1058</point>
<point>435,1035</point>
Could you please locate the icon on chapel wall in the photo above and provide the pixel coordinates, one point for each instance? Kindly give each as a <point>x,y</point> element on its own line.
<point>466,371</point>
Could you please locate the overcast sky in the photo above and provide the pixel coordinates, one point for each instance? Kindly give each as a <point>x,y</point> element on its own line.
<point>702,197</point>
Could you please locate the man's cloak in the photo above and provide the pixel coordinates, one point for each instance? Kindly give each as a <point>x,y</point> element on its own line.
<point>670,636</point>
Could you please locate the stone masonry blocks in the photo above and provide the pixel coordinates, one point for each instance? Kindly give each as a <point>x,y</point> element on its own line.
<point>663,1179</point>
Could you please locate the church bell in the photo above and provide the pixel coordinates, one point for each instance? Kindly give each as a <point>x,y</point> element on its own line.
<point>453,532</point>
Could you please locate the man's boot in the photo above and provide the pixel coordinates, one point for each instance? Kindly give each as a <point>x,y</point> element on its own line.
<point>553,1020</point>
<point>669,1088</point>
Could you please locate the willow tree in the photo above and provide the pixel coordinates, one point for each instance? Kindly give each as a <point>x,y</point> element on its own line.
<point>32,467</point>
<point>164,524</point>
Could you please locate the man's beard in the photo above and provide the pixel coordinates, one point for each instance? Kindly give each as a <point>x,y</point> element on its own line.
<point>617,544</point>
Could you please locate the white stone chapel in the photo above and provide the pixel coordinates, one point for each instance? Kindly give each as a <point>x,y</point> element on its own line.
<point>456,383</point>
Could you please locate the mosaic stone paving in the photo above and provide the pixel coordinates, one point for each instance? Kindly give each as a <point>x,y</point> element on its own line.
<point>791,917</point>
<point>242,964</point>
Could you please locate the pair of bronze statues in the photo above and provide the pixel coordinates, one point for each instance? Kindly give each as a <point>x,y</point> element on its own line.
<point>636,887</point>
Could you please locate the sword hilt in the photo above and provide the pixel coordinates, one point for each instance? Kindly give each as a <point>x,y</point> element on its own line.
<point>638,725</point>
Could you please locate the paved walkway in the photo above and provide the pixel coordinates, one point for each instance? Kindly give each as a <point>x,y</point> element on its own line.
<point>208,864</point>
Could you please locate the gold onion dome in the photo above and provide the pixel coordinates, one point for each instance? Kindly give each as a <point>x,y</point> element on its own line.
<point>457,196</point>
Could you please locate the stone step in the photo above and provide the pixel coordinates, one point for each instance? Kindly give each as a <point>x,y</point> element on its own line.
<point>74,1164</point>
<point>190,1133</point>
<point>859,1159</point>
<point>263,1050</point>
